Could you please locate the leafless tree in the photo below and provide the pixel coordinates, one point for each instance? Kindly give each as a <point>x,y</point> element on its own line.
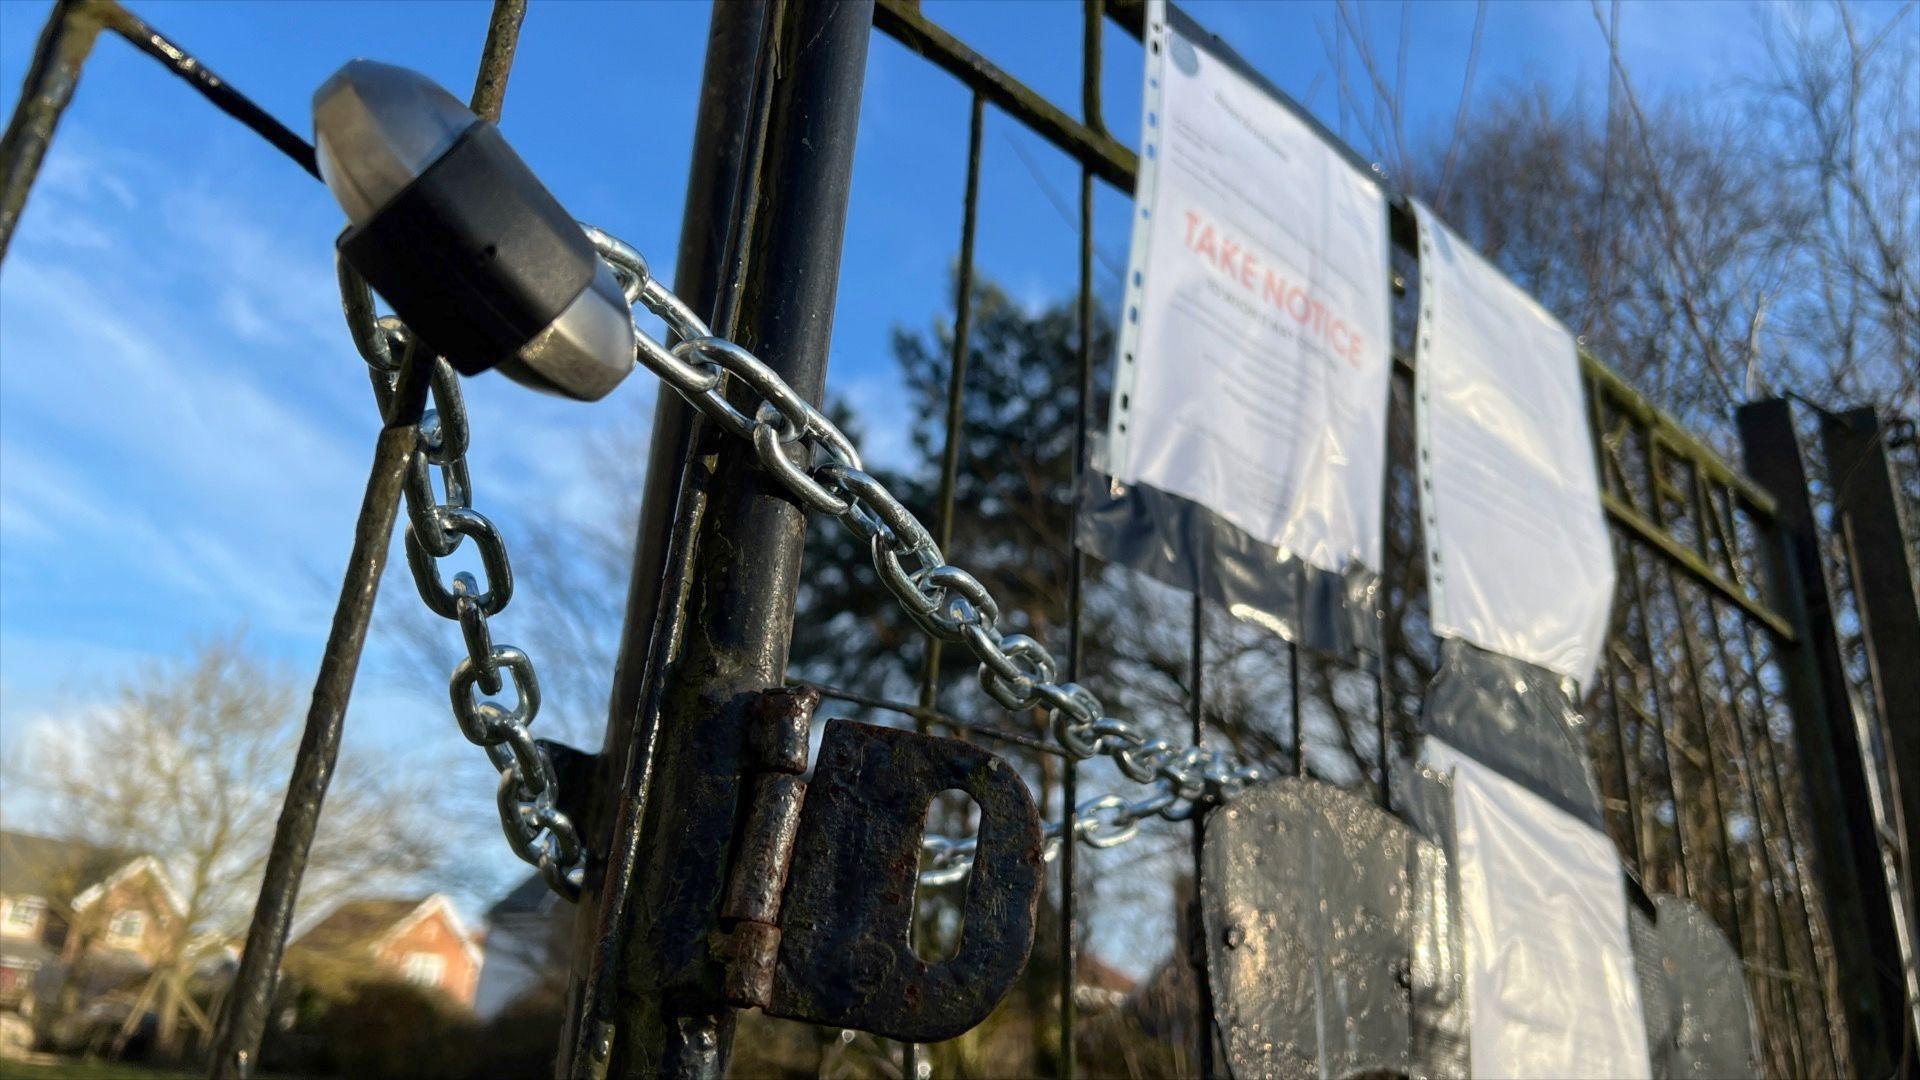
<point>1746,239</point>
<point>189,765</point>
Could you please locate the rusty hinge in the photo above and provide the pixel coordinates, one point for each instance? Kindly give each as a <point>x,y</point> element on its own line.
<point>818,909</point>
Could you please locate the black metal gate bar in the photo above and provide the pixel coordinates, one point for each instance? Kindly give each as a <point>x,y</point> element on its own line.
<point>1867,501</point>
<point>52,76</point>
<point>1816,955</point>
<point>54,73</point>
<point>731,115</point>
<point>1093,117</point>
<point>1724,725</point>
<point>1761,870</point>
<point>723,625</point>
<point>243,1015</point>
<point>1687,880</point>
<point>249,999</point>
<point>1196,939</point>
<point>1702,705</point>
<point>1847,844</point>
<point>1607,687</point>
<point>952,436</point>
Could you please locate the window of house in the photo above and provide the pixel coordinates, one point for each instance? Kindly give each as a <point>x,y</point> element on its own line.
<point>23,914</point>
<point>127,926</point>
<point>424,969</point>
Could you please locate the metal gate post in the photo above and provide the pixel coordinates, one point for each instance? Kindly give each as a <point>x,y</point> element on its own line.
<point>618,780</point>
<point>726,592</point>
<point>1867,498</point>
<point>1846,856</point>
<point>1864,491</point>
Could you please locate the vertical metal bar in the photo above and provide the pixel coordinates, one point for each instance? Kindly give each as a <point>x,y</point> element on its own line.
<point>1707,512</point>
<point>956,377</point>
<point>719,149</point>
<point>1816,931</point>
<point>1745,770</point>
<point>1293,708</point>
<point>1092,25</point>
<point>727,131</point>
<point>243,1018</point>
<point>496,58</point>
<point>1867,499</point>
<point>734,562</point>
<point>950,447</point>
<point>1683,622</point>
<point>1687,880</point>
<point>1629,787</point>
<point>1196,925</point>
<point>1845,849</point>
<point>1609,673</point>
<point>1384,728</point>
<point>53,73</point>
<point>1076,650</point>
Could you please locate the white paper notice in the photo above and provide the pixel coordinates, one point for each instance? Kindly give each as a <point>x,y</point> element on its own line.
<point>1253,366</point>
<point>1551,986</point>
<point>1518,557</point>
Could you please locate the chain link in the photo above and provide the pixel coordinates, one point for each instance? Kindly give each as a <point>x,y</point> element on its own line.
<point>439,521</point>
<point>814,460</point>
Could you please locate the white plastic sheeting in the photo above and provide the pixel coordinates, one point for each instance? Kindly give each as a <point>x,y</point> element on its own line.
<point>1519,560</point>
<point>1550,981</point>
<point>1253,368</point>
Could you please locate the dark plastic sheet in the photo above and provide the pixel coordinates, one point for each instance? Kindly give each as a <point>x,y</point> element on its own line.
<point>1187,546</point>
<point>1514,718</point>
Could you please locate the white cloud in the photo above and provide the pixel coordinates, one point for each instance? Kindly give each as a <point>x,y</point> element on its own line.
<point>880,403</point>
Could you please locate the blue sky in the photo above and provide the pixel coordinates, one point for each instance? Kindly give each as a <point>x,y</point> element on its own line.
<point>184,426</point>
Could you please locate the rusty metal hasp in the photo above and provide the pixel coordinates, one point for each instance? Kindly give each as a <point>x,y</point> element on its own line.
<point>838,950</point>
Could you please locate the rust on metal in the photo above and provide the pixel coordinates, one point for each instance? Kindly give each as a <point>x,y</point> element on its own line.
<point>782,726</point>
<point>846,957</point>
<point>752,949</point>
<point>780,721</point>
<point>765,850</point>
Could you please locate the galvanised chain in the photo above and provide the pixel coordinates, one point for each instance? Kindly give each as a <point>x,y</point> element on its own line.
<point>814,460</point>
<point>436,527</point>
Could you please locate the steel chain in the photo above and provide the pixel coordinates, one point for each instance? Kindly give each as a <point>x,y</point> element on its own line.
<point>814,460</point>
<point>438,523</point>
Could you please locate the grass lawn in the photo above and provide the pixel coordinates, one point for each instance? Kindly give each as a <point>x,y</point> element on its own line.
<point>76,1069</point>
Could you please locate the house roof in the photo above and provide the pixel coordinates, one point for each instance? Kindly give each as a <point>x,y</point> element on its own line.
<point>357,922</point>
<point>530,897</point>
<point>57,870</point>
<point>1097,973</point>
<point>363,924</point>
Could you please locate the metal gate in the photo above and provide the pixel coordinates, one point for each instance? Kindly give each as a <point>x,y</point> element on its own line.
<point>1750,724</point>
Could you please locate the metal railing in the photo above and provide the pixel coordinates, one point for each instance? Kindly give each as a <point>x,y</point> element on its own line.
<point>1722,729</point>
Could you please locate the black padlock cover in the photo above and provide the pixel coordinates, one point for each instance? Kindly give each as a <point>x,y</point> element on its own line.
<point>475,255</point>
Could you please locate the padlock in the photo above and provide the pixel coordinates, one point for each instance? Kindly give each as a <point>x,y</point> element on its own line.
<point>455,232</point>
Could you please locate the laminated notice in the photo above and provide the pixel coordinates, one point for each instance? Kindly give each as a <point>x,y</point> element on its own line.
<point>1551,983</point>
<point>1518,556</point>
<point>1253,365</point>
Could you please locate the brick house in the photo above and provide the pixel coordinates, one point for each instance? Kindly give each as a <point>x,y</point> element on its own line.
<point>419,941</point>
<point>79,919</point>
